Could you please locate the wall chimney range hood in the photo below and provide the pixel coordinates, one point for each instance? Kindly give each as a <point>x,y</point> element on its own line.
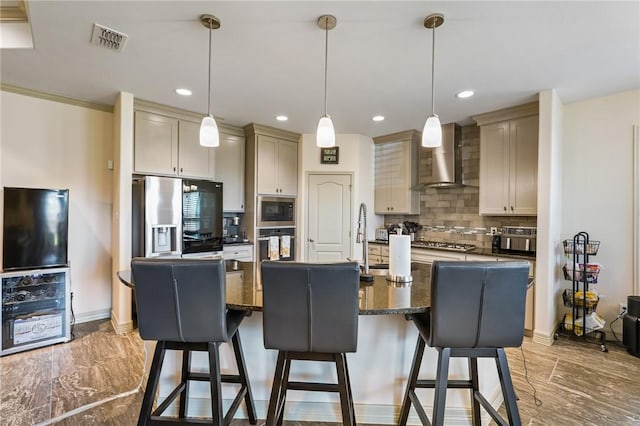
<point>446,163</point>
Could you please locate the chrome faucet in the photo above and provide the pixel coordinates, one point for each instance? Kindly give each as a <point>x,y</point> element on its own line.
<point>361,237</point>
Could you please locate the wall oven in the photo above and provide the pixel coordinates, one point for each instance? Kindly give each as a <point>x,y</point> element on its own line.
<point>277,244</point>
<point>275,211</point>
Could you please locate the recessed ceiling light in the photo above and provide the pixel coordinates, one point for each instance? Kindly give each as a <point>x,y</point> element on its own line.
<point>282,117</point>
<point>465,94</point>
<point>378,118</point>
<point>183,92</point>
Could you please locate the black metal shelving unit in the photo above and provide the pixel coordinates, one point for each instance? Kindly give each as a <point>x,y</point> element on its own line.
<point>582,302</point>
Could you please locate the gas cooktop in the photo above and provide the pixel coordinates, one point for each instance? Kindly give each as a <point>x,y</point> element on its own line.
<point>443,246</point>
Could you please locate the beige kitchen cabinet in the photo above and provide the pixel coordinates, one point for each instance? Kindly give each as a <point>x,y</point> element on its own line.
<point>509,163</point>
<point>229,168</point>
<point>277,166</point>
<point>427,256</point>
<point>243,252</point>
<point>166,145</point>
<point>378,253</point>
<point>396,172</point>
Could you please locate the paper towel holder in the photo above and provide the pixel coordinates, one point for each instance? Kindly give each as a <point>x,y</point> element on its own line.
<point>399,278</point>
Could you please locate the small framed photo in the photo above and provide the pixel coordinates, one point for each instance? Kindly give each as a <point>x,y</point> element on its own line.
<point>329,155</point>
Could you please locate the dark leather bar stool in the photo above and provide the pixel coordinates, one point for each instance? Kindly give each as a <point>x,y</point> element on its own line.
<point>310,314</point>
<point>181,304</point>
<point>477,309</point>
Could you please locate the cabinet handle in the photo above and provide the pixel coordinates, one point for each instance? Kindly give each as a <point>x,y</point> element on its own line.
<point>505,208</point>
<point>181,170</point>
<point>174,169</point>
<point>511,208</point>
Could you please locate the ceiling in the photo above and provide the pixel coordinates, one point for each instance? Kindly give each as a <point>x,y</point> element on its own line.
<point>268,57</point>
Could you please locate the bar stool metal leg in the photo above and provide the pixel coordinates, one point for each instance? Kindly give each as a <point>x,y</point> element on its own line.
<point>244,378</point>
<point>184,395</point>
<point>216,389</point>
<point>442,376</point>
<point>276,400</point>
<point>409,394</point>
<point>152,384</point>
<point>508,392</point>
<point>475,387</point>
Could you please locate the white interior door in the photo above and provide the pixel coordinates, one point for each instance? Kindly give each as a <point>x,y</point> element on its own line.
<point>328,218</point>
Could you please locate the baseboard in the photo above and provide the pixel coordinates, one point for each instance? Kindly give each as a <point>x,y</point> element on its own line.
<point>330,412</point>
<point>544,338</point>
<point>92,316</point>
<point>120,327</point>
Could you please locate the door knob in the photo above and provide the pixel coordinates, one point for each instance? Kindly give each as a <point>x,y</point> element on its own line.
<point>311,240</point>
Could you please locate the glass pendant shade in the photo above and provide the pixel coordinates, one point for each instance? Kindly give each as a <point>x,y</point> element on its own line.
<point>325,135</point>
<point>432,132</point>
<point>209,136</point>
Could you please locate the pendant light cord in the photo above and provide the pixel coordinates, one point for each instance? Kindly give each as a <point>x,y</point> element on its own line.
<point>209,76</point>
<point>433,68</point>
<point>326,59</point>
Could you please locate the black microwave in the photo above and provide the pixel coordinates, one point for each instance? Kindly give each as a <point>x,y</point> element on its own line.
<point>276,211</point>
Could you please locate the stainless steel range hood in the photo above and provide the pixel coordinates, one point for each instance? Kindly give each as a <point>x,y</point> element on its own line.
<point>446,163</point>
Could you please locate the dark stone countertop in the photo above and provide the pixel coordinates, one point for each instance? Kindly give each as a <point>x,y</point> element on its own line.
<point>381,297</point>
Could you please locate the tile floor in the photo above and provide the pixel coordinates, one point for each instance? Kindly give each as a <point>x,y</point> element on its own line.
<point>576,383</point>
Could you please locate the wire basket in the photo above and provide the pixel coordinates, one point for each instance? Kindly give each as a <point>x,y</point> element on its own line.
<point>594,322</point>
<point>580,271</point>
<point>570,247</point>
<point>578,299</point>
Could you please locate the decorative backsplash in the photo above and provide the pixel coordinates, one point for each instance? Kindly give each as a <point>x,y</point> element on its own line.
<point>451,214</point>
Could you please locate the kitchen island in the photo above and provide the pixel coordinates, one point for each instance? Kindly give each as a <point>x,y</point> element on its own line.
<point>378,370</point>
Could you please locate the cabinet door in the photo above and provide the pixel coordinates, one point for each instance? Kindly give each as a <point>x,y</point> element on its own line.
<point>401,170</point>
<point>494,169</point>
<point>382,203</point>
<point>229,169</point>
<point>524,171</point>
<point>287,168</point>
<point>155,144</point>
<point>266,164</point>
<point>194,160</point>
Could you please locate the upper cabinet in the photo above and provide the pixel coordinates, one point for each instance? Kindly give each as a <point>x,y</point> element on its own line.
<point>509,161</point>
<point>167,142</point>
<point>229,168</point>
<point>396,172</point>
<point>274,157</point>
<point>170,146</point>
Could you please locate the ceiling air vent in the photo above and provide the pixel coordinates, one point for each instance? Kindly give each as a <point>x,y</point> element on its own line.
<point>106,37</point>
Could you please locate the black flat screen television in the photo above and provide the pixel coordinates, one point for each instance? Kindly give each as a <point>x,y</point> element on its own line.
<point>35,228</point>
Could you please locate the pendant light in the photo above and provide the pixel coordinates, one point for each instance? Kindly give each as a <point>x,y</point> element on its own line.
<point>432,132</point>
<point>209,136</point>
<point>325,135</point>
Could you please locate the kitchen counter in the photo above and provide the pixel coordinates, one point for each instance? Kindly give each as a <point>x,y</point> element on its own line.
<point>378,370</point>
<point>476,251</point>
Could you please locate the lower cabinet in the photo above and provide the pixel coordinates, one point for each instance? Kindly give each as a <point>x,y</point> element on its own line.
<point>378,253</point>
<point>428,256</point>
<point>243,252</point>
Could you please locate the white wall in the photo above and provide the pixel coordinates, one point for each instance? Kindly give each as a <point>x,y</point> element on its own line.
<point>598,188</point>
<point>49,144</point>
<point>356,156</point>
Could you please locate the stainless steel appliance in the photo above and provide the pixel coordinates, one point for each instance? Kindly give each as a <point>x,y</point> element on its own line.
<point>440,245</point>
<point>201,217</point>
<point>156,219</point>
<point>516,240</point>
<point>175,217</point>
<point>281,239</point>
<point>275,211</point>
<point>382,234</point>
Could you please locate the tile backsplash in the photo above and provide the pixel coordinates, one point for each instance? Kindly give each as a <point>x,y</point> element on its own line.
<point>451,214</point>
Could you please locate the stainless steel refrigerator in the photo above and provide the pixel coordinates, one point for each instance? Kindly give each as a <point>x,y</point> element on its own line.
<point>176,217</point>
<point>156,220</point>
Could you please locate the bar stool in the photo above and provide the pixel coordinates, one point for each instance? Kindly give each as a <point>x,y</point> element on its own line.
<point>310,314</point>
<point>477,309</point>
<point>181,304</point>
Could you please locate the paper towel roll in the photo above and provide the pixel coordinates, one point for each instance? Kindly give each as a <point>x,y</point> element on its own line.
<point>399,257</point>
